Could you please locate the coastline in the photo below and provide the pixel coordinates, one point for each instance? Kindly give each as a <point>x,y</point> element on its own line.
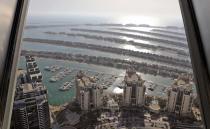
<point>116,63</point>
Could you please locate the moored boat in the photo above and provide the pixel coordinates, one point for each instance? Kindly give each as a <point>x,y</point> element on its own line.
<point>66,86</point>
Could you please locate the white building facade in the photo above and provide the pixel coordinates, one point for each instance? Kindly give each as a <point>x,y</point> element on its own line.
<point>180,98</point>
<point>33,71</point>
<point>134,90</point>
<point>84,102</point>
<point>127,95</point>
<point>97,95</point>
<point>88,93</point>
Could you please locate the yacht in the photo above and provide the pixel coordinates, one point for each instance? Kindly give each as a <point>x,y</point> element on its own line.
<point>53,79</point>
<point>47,68</point>
<point>66,86</point>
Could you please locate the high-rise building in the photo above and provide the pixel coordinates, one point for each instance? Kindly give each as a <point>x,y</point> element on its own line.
<point>84,99</point>
<point>33,72</point>
<point>180,97</point>
<point>88,93</point>
<point>134,89</point>
<point>31,109</point>
<point>96,95</point>
<point>78,81</point>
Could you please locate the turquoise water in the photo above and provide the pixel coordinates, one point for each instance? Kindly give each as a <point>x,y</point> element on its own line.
<point>39,33</point>
<point>57,97</point>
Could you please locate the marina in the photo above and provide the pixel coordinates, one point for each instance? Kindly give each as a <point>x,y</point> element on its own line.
<point>52,68</point>
<point>60,75</point>
<point>151,86</point>
<point>66,86</point>
<point>113,77</point>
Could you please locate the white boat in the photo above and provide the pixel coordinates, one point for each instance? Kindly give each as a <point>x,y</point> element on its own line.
<point>47,68</point>
<point>60,75</point>
<point>66,86</point>
<point>53,79</point>
<point>53,68</point>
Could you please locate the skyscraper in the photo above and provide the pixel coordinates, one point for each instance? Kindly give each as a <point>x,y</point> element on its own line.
<point>88,94</point>
<point>180,97</point>
<point>31,109</point>
<point>134,90</point>
<point>33,72</point>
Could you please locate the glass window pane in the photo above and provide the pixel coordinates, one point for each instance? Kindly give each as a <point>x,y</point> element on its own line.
<point>7,9</point>
<point>105,64</point>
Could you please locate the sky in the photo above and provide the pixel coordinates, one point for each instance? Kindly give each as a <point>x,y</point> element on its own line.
<point>130,9</point>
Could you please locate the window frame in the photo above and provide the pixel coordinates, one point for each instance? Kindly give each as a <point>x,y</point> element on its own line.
<point>198,56</point>
<point>8,80</point>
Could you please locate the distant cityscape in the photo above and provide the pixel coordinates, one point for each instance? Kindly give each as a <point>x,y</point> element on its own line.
<point>132,97</point>
<point>131,109</point>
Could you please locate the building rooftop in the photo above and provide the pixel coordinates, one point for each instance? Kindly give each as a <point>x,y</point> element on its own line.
<point>183,83</point>
<point>28,87</point>
<point>154,107</point>
<point>68,118</point>
<point>85,81</point>
<point>197,113</point>
<point>28,90</point>
<point>132,77</point>
<point>20,72</point>
<point>112,103</point>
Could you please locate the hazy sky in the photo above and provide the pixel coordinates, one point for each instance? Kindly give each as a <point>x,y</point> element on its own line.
<point>116,8</point>
<point>106,7</point>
